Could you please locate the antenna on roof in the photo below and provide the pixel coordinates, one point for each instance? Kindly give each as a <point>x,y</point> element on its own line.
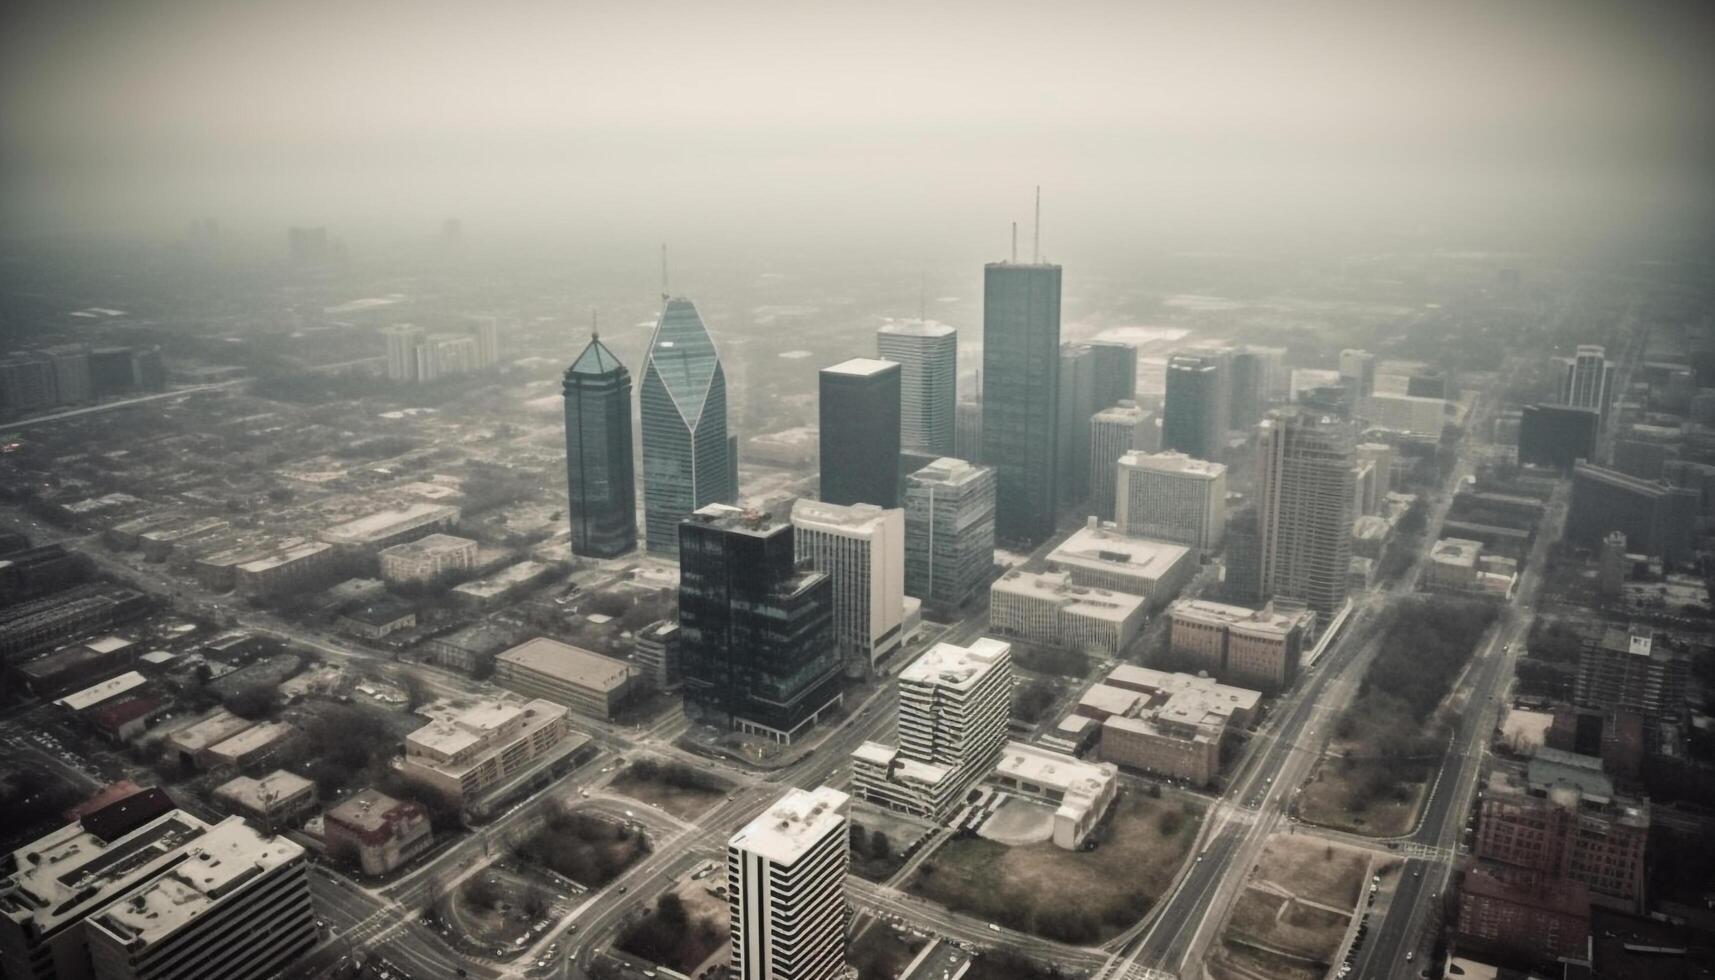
<point>1036,232</point>
<point>1015,242</point>
<point>595,334</point>
<point>664,293</point>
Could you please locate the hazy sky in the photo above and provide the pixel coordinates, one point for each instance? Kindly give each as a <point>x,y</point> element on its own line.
<point>720,120</point>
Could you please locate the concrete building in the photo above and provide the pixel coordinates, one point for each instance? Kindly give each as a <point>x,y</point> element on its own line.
<point>1523,916</point>
<point>1587,380</point>
<point>1172,497</point>
<point>1100,557</point>
<point>588,683</point>
<point>861,548</point>
<point>954,703</point>
<point>402,340</point>
<point>928,356</point>
<point>1358,371</point>
<point>1257,648</point>
<point>379,619</point>
<point>1080,792</point>
<point>289,567</point>
<point>1077,403</point>
<point>1304,509</point>
<point>687,457</point>
<point>1562,819</point>
<point>1380,456</point>
<point>949,533</point>
<point>1168,724</point>
<point>377,832</point>
<point>392,526</point>
<point>1050,609</point>
<point>657,654</point>
<point>1653,515</point>
<point>427,557</point>
<point>786,877</point>
<point>1629,670</point>
<point>858,421</point>
<point>1115,432</point>
<point>1424,417</point>
<point>1612,566</point>
<point>99,694</point>
<point>1557,435</point>
<point>495,589</point>
<point>470,749</point>
<point>1021,396</point>
<point>277,800</point>
<point>249,747</point>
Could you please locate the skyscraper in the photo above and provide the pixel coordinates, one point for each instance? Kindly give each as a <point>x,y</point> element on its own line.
<point>949,532</point>
<point>787,874</point>
<point>600,486</point>
<point>1194,414</point>
<point>1172,497</point>
<point>1113,433</point>
<point>1115,372</point>
<point>1077,404</point>
<point>858,417</point>
<point>1588,380</point>
<point>861,548</point>
<point>756,646</point>
<point>968,431</point>
<point>1249,382</point>
<point>1021,395</point>
<point>928,357</point>
<point>685,447</point>
<point>1358,372</point>
<point>402,342</point>
<point>1304,495</point>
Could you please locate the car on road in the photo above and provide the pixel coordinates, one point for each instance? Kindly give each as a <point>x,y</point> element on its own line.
<point>1410,954</point>
<point>993,927</point>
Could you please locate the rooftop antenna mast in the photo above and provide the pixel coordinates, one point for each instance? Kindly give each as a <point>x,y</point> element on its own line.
<point>1036,232</point>
<point>664,292</point>
<point>595,334</point>
<point>1015,243</point>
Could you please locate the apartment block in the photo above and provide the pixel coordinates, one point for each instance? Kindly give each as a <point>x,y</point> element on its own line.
<point>786,880</point>
<point>471,749</point>
<point>861,548</point>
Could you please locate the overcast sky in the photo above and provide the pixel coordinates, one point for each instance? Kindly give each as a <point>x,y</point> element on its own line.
<point>731,119</point>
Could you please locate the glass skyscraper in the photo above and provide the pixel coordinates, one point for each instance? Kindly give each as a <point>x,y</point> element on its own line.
<point>1194,413</point>
<point>928,356</point>
<point>600,487</point>
<point>1021,393</point>
<point>685,446</point>
<point>858,418</point>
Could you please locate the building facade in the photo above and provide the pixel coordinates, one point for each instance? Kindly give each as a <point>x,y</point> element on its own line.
<point>1258,648</point>
<point>1587,379</point>
<point>377,832</point>
<point>683,404</point>
<point>861,548</point>
<point>1304,509</point>
<point>949,532</point>
<point>468,751</point>
<point>1114,432</point>
<point>427,557</point>
<point>928,356</point>
<point>858,420</point>
<point>1172,497</point>
<point>1051,610</point>
<point>1077,402</point>
<point>1021,396</point>
<point>588,683</point>
<point>1194,413</point>
<point>786,881</point>
<point>601,487</point>
<point>1651,514</point>
<point>1557,435</point>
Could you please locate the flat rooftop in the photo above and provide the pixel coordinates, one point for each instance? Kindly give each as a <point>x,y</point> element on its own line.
<point>62,876</point>
<point>1268,619</point>
<point>382,523</point>
<point>260,794</point>
<point>1175,463</point>
<point>949,471</point>
<point>862,367</point>
<point>1456,551</point>
<point>795,822</point>
<point>1100,547</point>
<point>1029,763</point>
<point>917,328</point>
<point>843,517</point>
<point>1079,600</point>
<point>367,810</point>
<point>431,544</point>
<point>509,577</point>
<point>219,726</point>
<point>89,697</point>
<point>253,739</point>
<point>730,518</point>
<point>951,665</point>
<point>568,663</point>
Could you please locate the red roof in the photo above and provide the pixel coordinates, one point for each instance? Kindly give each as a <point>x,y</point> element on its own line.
<point>112,793</point>
<point>114,714</point>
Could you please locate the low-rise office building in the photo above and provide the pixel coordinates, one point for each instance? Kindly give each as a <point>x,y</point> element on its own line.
<point>427,557</point>
<point>277,799</point>
<point>586,682</point>
<point>1100,557</point>
<point>1253,647</point>
<point>1080,791</point>
<point>393,526</point>
<point>471,749</point>
<point>1168,724</point>
<point>1051,610</point>
<point>657,654</point>
<point>377,832</point>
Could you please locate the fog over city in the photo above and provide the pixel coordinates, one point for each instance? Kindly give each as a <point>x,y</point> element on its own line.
<point>857,491</point>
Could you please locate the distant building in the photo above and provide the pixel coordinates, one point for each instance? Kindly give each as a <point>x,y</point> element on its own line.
<point>1429,384</point>
<point>949,532</point>
<point>755,629</point>
<point>657,654</point>
<point>968,431</point>
<point>588,683</point>
<point>861,548</point>
<point>1248,387</point>
<point>1021,375</point>
<point>1051,610</point>
<point>471,750</point>
<point>1523,916</point>
<point>1459,565</point>
<point>683,402</point>
<point>379,619</point>
<point>1168,724</point>
<point>1080,792</point>
<point>1115,370</point>
<point>1424,417</point>
<point>28,381</point>
<point>1612,567</point>
<point>1114,432</point>
<point>786,873</point>
<point>1242,567</point>
<point>1304,498</point>
<point>288,566</point>
<point>858,419</point>
<point>1629,670</point>
<point>377,832</point>
<point>1257,648</point>
<point>1358,372</point>
<point>427,557</point>
<point>1077,403</point>
<point>277,800</point>
<point>1172,497</point>
<point>1194,414</point>
<point>928,356</point>
<point>1100,557</point>
<point>384,528</point>
<point>402,340</point>
<point>1653,516</point>
<point>1587,380</point>
<point>600,487</point>
<point>254,745</point>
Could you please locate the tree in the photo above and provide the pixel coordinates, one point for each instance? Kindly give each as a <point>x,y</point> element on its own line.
<point>252,702</point>
<point>416,689</point>
<point>671,910</point>
<point>880,848</point>
<point>535,902</point>
<point>482,892</point>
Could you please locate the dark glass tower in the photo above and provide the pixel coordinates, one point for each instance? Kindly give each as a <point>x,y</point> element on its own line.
<point>1021,393</point>
<point>600,487</point>
<point>1116,372</point>
<point>686,453</point>
<point>1193,418</point>
<point>859,423</point>
<point>756,632</point>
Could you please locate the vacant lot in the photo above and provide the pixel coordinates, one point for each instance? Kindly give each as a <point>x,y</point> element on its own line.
<point>882,952</point>
<point>1080,897</point>
<point>1237,961</point>
<point>1293,913</point>
<point>587,849</point>
<point>681,790</point>
<point>1336,796</point>
<point>679,932</point>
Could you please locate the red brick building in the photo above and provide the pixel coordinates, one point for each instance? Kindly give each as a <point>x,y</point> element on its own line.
<point>1524,915</point>
<point>377,831</point>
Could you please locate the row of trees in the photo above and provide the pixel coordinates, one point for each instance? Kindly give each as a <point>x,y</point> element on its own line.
<point>587,849</point>
<point>672,937</point>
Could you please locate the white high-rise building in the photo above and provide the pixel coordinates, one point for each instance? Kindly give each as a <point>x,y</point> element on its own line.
<point>1588,380</point>
<point>1113,433</point>
<point>786,888</point>
<point>928,356</point>
<point>402,341</point>
<point>860,547</point>
<point>1304,509</point>
<point>1172,497</point>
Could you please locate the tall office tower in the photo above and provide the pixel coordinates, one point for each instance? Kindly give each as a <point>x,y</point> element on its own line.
<point>1358,372</point>
<point>861,548</point>
<point>1116,372</point>
<point>600,487</point>
<point>1172,497</point>
<point>487,332</point>
<point>756,646</point>
<point>949,533</point>
<point>402,342</point>
<point>968,431</point>
<point>1612,568</point>
<point>1304,509</point>
<point>1276,379</point>
<point>1021,395</point>
<point>1077,404</point>
<point>1242,582</point>
<point>686,462</point>
<point>1113,433</point>
<point>786,886</point>
<point>858,416</point>
<point>1248,380</point>
<point>928,356</point>
<point>1194,415</point>
<point>1653,516</point>
<point>1589,379</point>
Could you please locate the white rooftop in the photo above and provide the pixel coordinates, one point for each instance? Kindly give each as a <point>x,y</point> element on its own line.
<point>1456,551</point>
<point>951,665</point>
<point>1173,462</point>
<point>64,875</point>
<point>949,471</point>
<point>838,517</point>
<point>917,328</point>
<point>108,644</point>
<point>862,367</point>
<point>565,662</point>
<point>1080,600</point>
<point>253,739</point>
<point>1100,547</point>
<point>260,794</point>
<point>794,824</point>
<point>384,522</point>
<point>89,697</point>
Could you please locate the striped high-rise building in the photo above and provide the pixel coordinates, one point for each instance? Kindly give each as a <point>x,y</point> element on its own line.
<point>786,889</point>
<point>1113,433</point>
<point>928,356</point>
<point>861,548</point>
<point>1304,495</point>
<point>949,532</point>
